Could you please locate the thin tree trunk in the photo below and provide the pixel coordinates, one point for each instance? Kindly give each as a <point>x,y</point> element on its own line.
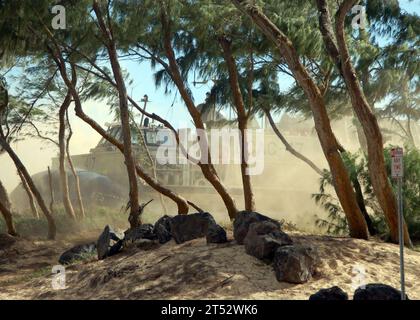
<point>167,125</point>
<point>82,213</point>
<point>192,204</point>
<point>19,165</point>
<point>8,218</point>
<point>71,85</point>
<point>5,205</point>
<point>356,185</point>
<point>181,203</point>
<point>376,162</point>
<point>130,162</point>
<point>289,147</point>
<point>68,207</point>
<point>52,197</point>
<point>5,209</point>
<point>4,197</point>
<point>21,168</point>
<point>330,146</point>
<point>32,204</point>
<point>361,202</point>
<point>249,198</point>
<point>149,156</point>
<point>207,168</point>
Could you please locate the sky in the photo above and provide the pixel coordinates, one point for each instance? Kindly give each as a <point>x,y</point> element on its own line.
<point>35,154</point>
<point>142,76</point>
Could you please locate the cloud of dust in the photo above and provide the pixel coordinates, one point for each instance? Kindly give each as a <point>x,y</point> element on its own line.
<point>282,191</point>
<point>36,154</point>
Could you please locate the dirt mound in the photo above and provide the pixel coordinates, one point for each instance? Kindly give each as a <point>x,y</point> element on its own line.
<point>23,260</point>
<point>196,270</point>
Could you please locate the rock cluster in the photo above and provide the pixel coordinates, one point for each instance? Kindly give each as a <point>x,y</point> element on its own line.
<point>264,239</point>
<point>77,253</point>
<point>377,291</point>
<point>244,220</point>
<point>372,291</point>
<point>334,293</point>
<point>261,236</point>
<point>181,228</point>
<point>192,226</point>
<point>108,244</point>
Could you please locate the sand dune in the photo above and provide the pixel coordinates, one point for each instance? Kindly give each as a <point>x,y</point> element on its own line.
<point>195,270</point>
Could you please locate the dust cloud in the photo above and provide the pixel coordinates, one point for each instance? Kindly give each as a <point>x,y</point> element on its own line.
<point>282,191</point>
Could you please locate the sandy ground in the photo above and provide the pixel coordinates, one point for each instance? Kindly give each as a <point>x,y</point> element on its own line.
<point>195,270</point>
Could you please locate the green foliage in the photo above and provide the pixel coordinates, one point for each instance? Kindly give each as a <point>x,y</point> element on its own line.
<point>336,222</point>
<point>389,73</point>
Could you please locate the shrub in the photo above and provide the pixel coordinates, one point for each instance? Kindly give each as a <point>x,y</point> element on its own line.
<point>336,223</point>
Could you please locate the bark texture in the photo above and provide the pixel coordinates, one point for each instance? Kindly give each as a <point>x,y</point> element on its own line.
<point>82,213</point>
<point>206,167</point>
<point>19,165</point>
<point>71,85</point>
<point>243,117</point>
<point>130,162</point>
<point>329,144</point>
<point>64,181</point>
<point>5,146</point>
<point>289,147</point>
<point>5,209</point>
<point>338,51</point>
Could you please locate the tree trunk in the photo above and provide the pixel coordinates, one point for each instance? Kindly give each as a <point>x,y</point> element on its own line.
<point>82,213</point>
<point>5,209</point>
<point>329,144</point>
<point>19,165</point>
<point>356,185</point>
<point>124,115</point>
<point>167,125</point>
<point>32,204</point>
<point>289,147</point>
<point>376,163</point>
<point>192,204</point>
<point>238,100</point>
<point>361,136</point>
<point>50,184</point>
<point>68,207</point>
<point>8,218</point>
<point>4,197</point>
<point>180,202</point>
<point>361,202</point>
<point>71,85</point>
<point>207,168</point>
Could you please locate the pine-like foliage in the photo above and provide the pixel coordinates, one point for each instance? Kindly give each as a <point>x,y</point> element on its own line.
<point>336,223</point>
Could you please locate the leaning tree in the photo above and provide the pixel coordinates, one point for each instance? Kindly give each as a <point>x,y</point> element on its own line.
<point>336,44</point>
<point>329,143</point>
